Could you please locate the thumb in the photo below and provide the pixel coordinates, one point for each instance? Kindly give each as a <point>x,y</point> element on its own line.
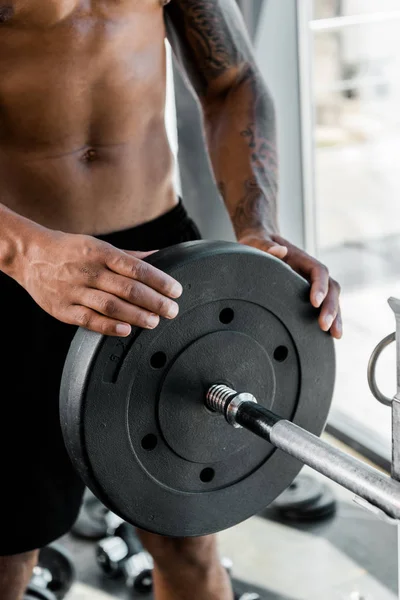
<point>138,254</point>
<point>281,243</point>
<point>276,250</point>
<point>267,245</point>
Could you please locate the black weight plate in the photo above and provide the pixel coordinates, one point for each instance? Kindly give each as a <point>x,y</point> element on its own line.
<point>302,492</point>
<point>132,409</point>
<point>59,562</point>
<point>322,508</point>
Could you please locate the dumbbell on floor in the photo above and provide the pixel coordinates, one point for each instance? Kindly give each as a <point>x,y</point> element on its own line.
<point>138,572</point>
<point>114,550</point>
<point>53,576</point>
<point>123,555</point>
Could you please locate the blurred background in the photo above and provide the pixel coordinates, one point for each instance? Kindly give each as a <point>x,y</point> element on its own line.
<point>356,93</point>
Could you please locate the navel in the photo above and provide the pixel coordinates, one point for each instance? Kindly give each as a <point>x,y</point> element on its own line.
<point>90,155</point>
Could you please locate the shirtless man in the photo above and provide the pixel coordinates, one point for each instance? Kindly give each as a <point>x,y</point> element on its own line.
<point>86,178</point>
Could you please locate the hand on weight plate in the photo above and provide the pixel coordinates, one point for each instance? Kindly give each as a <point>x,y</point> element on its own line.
<point>83,281</point>
<point>233,326</point>
<point>324,292</point>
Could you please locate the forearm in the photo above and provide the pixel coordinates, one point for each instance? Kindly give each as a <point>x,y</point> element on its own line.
<point>16,235</point>
<point>212,45</point>
<point>241,138</point>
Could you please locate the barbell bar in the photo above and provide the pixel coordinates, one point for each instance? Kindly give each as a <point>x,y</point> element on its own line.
<point>242,409</point>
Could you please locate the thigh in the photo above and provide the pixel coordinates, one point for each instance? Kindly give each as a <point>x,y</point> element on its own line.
<point>41,491</point>
<point>15,573</point>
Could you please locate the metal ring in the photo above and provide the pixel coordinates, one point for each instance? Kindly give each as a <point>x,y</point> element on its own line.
<point>373,386</point>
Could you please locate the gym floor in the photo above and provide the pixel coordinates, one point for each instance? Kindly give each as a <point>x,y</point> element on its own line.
<point>350,556</point>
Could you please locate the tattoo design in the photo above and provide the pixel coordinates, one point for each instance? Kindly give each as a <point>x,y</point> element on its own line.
<point>263,156</point>
<point>212,42</point>
<point>257,207</point>
<point>255,211</point>
<point>207,33</point>
<point>247,214</point>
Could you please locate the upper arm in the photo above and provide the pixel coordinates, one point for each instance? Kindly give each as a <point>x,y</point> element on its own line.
<point>210,41</point>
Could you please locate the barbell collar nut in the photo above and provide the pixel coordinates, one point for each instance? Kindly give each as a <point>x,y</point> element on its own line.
<point>226,401</point>
<point>233,406</point>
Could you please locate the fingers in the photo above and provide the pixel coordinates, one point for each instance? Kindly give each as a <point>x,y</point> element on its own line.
<point>325,291</point>
<point>118,290</point>
<point>133,292</point>
<point>319,279</point>
<point>89,319</point>
<point>137,293</point>
<point>133,267</point>
<point>281,243</point>
<point>337,327</point>
<point>119,310</point>
<point>277,251</point>
<point>274,248</point>
<point>106,314</point>
<point>141,255</point>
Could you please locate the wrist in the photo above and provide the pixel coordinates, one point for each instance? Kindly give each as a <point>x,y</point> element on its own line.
<point>18,237</point>
<point>262,233</point>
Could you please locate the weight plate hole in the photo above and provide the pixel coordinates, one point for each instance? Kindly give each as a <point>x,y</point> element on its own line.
<point>281,353</point>
<point>207,475</point>
<point>158,360</point>
<point>149,442</point>
<point>226,316</point>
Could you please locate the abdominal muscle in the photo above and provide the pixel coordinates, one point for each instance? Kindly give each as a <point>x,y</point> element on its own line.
<point>92,189</point>
<point>83,143</point>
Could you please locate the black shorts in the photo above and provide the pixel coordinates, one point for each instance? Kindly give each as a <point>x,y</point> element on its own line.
<point>40,492</point>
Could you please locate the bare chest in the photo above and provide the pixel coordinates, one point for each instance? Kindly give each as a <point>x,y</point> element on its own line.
<point>42,13</point>
<point>70,67</point>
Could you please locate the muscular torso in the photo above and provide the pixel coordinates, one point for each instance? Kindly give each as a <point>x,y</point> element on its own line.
<point>83,146</point>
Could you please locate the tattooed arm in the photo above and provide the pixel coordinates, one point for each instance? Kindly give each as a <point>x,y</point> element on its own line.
<point>211,43</point>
